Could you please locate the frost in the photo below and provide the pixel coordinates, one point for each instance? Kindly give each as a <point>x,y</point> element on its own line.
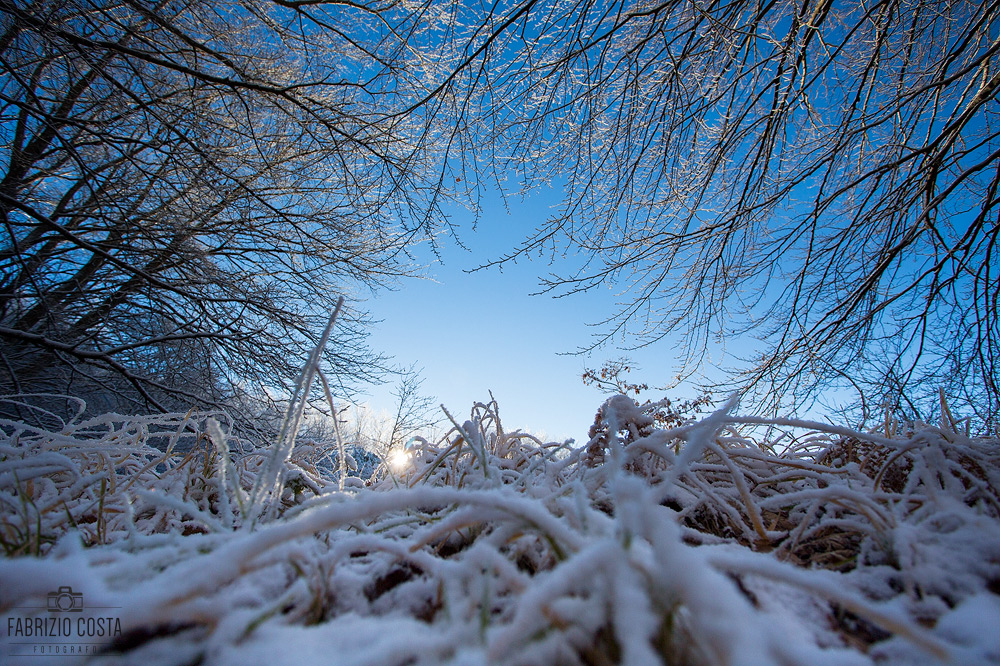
<point>723,541</point>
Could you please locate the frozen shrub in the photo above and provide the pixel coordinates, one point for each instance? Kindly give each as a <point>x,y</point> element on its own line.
<point>722,540</point>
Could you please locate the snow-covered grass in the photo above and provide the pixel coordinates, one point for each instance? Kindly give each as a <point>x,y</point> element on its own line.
<point>724,540</point>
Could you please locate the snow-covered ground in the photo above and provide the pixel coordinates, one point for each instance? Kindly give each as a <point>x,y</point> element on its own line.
<point>725,540</point>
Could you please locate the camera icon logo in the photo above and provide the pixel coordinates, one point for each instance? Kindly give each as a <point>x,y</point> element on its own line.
<point>65,600</point>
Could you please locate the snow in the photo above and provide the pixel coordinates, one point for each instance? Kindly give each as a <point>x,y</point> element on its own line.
<point>706,544</point>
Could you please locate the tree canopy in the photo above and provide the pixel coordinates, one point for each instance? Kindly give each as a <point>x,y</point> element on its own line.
<point>820,174</point>
<point>182,177</point>
<point>188,186</point>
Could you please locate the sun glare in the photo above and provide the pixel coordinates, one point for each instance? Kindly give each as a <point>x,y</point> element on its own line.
<point>399,461</point>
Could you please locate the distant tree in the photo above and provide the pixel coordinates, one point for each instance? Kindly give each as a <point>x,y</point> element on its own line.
<point>613,378</point>
<point>185,188</point>
<point>821,173</point>
<point>415,412</point>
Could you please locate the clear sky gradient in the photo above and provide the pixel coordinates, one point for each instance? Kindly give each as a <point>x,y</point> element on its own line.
<point>472,333</point>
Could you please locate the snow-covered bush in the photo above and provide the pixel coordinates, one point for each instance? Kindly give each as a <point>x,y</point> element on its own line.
<point>724,540</point>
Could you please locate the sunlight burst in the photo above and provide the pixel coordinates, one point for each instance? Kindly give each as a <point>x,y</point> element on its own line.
<point>399,461</point>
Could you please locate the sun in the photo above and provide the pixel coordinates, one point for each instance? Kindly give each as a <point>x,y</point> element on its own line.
<point>399,461</point>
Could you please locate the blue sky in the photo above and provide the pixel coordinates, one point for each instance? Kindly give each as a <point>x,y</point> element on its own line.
<point>481,332</point>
